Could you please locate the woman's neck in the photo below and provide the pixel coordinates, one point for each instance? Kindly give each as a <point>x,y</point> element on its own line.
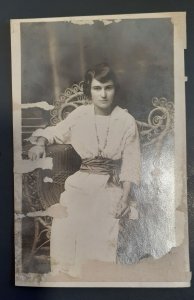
<point>103,112</point>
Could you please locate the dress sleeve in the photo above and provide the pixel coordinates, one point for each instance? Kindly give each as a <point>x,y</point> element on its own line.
<point>60,133</point>
<point>131,159</point>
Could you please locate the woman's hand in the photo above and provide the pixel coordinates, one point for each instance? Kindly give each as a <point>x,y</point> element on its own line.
<point>37,152</point>
<point>122,208</point>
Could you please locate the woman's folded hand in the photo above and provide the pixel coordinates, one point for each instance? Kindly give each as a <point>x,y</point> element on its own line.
<point>37,152</point>
<point>122,208</point>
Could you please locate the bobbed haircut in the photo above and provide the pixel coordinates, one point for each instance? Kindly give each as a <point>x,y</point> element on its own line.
<point>101,72</point>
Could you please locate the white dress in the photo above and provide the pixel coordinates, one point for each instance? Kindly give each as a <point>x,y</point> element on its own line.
<point>89,230</point>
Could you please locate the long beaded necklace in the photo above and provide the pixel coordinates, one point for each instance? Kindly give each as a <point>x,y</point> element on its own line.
<point>101,149</point>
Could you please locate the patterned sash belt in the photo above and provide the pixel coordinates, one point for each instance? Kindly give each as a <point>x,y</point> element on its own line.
<point>104,166</point>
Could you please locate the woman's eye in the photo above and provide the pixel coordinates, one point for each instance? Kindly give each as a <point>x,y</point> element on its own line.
<point>110,87</point>
<point>96,88</point>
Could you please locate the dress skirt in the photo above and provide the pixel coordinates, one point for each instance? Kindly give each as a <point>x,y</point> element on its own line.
<point>89,230</point>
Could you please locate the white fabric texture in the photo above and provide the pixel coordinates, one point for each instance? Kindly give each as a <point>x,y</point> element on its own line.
<point>78,129</point>
<point>90,230</point>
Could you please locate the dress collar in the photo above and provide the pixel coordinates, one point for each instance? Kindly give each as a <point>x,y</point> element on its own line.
<point>115,114</point>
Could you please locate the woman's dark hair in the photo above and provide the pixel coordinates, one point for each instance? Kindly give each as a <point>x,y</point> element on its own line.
<point>101,72</point>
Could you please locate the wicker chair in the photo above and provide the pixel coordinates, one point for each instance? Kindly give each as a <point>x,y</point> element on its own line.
<point>39,195</point>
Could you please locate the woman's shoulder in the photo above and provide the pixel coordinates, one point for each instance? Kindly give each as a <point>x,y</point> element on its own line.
<point>80,111</point>
<point>123,114</point>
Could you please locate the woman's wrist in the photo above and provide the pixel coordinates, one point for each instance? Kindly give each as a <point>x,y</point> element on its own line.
<point>41,141</point>
<point>125,199</point>
<point>126,191</point>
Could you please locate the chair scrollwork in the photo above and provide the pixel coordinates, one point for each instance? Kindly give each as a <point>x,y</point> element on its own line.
<point>158,124</point>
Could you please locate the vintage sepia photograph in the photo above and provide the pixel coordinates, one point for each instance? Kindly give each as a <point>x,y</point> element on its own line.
<point>99,151</point>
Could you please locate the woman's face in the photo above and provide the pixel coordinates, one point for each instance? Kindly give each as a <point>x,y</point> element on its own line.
<point>102,94</point>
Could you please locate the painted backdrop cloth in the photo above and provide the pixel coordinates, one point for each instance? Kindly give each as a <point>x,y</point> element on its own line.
<point>89,231</point>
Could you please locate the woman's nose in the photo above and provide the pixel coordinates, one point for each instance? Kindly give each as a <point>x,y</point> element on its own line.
<point>103,93</point>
